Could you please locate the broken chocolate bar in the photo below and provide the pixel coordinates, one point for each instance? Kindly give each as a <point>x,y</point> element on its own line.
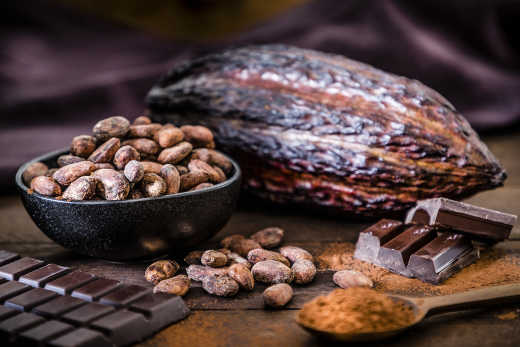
<point>394,254</point>
<point>372,238</point>
<point>442,257</point>
<point>481,223</point>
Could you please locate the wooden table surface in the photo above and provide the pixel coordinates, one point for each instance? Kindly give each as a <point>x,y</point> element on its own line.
<point>242,321</point>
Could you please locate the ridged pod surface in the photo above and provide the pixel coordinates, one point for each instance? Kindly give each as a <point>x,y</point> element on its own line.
<point>320,129</point>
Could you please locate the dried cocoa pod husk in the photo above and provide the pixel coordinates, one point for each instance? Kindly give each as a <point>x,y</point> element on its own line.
<point>83,145</point>
<point>68,174</point>
<point>105,152</point>
<point>111,184</point>
<point>84,188</point>
<point>319,129</point>
<point>33,170</point>
<point>45,185</point>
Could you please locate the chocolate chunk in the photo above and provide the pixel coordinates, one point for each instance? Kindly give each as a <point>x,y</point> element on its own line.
<point>394,254</point>
<point>161,309</point>
<point>87,313</point>
<point>15,269</point>
<point>58,306</point>
<point>30,299</point>
<point>7,257</point>
<point>44,332</point>
<point>123,326</point>
<point>371,239</point>
<point>18,323</point>
<point>442,257</point>
<point>6,312</point>
<point>10,289</point>
<point>95,289</point>
<point>64,285</point>
<point>478,222</point>
<point>38,278</point>
<point>82,337</point>
<point>124,295</point>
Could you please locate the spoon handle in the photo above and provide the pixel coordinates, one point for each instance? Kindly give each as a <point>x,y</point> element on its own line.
<point>478,298</point>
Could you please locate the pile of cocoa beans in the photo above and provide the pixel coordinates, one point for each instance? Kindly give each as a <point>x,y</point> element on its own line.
<point>238,265</point>
<point>131,161</point>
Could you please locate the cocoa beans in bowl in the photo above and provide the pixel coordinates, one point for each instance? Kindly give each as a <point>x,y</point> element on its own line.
<point>130,230</point>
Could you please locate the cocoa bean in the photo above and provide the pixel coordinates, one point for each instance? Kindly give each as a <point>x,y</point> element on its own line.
<point>84,188</point>
<point>172,178</point>
<point>304,271</point>
<point>221,175</point>
<point>182,169</point>
<point>152,185</point>
<point>277,295</point>
<point>104,166</point>
<point>243,247</point>
<point>135,193</point>
<point>199,272</point>
<point>161,270</point>
<point>105,152</point>
<point>51,172</point>
<point>241,274</point>
<point>124,155</point>
<point>144,130</point>
<point>67,159</point>
<point>175,154</point>
<point>198,135</point>
<point>142,120</point>
<point>294,253</point>
<point>193,258</point>
<point>112,185</point>
<point>68,174</point>
<point>235,258</point>
<point>152,167</point>
<point>192,179</point>
<point>83,145</point>
<point>168,136</point>
<point>271,272</point>
<point>220,285</point>
<point>228,240</point>
<point>269,237</point>
<point>350,278</point>
<point>134,171</point>
<point>259,254</point>
<point>213,258</point>
<point>199,165</point>
<point>111,127</point>
<point>213,157</point>
<point>45,185</point>
<point>201,186</point>
<point>178,285</point>
<point>33,170</point>
<point>144,146</point>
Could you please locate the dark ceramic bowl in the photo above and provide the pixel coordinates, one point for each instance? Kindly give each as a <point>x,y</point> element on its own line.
<point>132,230</point>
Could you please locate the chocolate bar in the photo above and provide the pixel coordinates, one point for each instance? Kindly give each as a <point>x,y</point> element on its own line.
<point>371,239</point>
<point>47,304</point>
<point>480,223</point>
<point>429,253</point>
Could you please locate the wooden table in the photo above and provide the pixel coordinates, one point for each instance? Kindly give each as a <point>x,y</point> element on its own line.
<point>242,321</point>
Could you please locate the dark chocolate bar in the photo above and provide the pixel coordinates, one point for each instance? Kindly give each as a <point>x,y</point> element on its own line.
<point>480,223</point>
<point>50,305</point>
<point>371,239</point>
<point>395,253</point>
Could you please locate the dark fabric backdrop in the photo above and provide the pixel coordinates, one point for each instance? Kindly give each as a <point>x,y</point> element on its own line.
<point>61,70</point>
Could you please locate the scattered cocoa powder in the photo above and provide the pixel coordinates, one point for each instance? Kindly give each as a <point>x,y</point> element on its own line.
<point>355,310</point>
<point>495,267</point>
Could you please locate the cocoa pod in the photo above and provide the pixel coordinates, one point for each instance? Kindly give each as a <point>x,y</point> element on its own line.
<point>45,185</point>
<point>294,253</point>
<point>84,188</point>
<point>259,254</point>
<point>83,145</point>
<point>197,135</point>
<point>161,270</point>
<point>269,237</point>
<point>220,285</point>
<point>144,146</point>
<point>134,171</point>
<point>105,152</point>
<point>33,170</point>
<point>304,271</point>
<point>68,174</point>
<point>319,129</point>
<point>142,120</point>
<point>143,130</point>
<point>153,167</point>
<point>277,295</point>
<point>175,154</point>
<point>111,127</point>
<point>241,274</point>
<point>152,185</point>
<point>200,272</point>
<point>168,136</point>
<point>172,178</point>
<point>111,184</point>
<point>350,278</point>
<point>201,186</point>
<point>124,155</point>
<point>177,285</point>
<point>272,272</point>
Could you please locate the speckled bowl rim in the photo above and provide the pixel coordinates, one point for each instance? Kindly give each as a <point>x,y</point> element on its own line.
<point>19,182</point>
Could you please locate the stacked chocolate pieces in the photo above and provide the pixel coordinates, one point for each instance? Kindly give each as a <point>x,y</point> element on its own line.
<point>435,241</point>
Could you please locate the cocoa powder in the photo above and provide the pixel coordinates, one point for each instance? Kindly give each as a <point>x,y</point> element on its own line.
<point>355,310</point>
<point>495,267</point>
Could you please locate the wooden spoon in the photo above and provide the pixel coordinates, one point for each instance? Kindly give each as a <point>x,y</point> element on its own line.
<point>425,307</point>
